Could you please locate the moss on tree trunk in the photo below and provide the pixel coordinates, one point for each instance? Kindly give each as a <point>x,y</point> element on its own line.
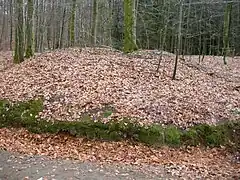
<point>29,34</point>
<point>19,34</point>
<point>72,24</point>
<point>129,42</point>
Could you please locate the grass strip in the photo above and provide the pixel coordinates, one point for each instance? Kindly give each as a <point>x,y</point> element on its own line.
<point>25,114</point>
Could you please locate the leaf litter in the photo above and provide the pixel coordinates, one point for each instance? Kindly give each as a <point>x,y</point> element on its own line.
<point>74,81</point>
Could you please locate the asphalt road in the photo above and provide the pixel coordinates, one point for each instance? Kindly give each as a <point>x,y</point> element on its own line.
<point>17,167</point>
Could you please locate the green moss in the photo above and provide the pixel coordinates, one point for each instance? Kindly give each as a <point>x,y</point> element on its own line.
<point>190,137</point>
<point>173,136</point>
<point>86,118</point>
<point>218,136</point>
<point>153,135</point>
<point>107,113</point>
<point>210,135</point>
<point>234,134</point>
<point>25,114</point>
<point>20,114</point>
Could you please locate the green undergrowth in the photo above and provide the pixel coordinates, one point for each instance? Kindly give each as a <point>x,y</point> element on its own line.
<point>25,114</point>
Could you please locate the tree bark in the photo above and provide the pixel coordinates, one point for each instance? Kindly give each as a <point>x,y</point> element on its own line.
<point>135,7</point>
<point>36,26</point>
<point>19,33</point>
<point>29,34</point>
<point>129,44</point>
<point>179,40</point>
<point>72,23</point>
<point>62,29</point>
<point>3,22</point>
<point>11,25</point>
<point>227,19</point>
<point>94,23</point>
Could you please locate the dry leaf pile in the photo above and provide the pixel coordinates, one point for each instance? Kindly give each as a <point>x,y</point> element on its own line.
<point>192,162</point>
<point>73,81</point>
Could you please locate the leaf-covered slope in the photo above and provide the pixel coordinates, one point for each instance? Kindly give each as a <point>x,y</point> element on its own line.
<point>73,81</point>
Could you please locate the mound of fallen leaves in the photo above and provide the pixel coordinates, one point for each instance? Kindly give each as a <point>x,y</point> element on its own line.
<point>74,81</point>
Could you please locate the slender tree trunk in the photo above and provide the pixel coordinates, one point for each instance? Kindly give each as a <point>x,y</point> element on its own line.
<point>172,44</point>
<point>49,22</point>
<point>135,7</point>
<point>200,47</point>
<point>41,25</point>
<point>36,27</point>
<point>110,7</point>
<point>94,23</point>
<point>227,19</point>
<point>57,27</point>
<point>19,33</point>
<point>11,25</point>
<point>3,23</point>
<point>164,35</point>
<point>53,24</point>
<point>62,29</point>
<point>72,23</point>
<point>179,39</point>
<point>186,50</point>
<point>204,50</point>
<point>29,50</point>
<point>218,46</point>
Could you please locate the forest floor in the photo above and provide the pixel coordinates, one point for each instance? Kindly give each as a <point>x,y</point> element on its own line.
<point>75,81</point>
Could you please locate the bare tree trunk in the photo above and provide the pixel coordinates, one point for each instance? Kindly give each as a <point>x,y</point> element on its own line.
<point>49,22</point>
<point>36,27</point>
<point>72,23</point>
<point>53,24</point>
<point>41,26</point>
<point>163,37</point>
<point>94,22</point>
<point>179,39</point>
<point>135,7</point>
<point>19,33</point>
<point>204,49</point>
<point>227,19</point>
<point>11,25</point>
<point>29,50</point>
<point>186,51</point>
<point>62,29</point>
<point>3,22</point>
<point>129,44</point>
<point>200,46</point>
<point>110,7</point>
